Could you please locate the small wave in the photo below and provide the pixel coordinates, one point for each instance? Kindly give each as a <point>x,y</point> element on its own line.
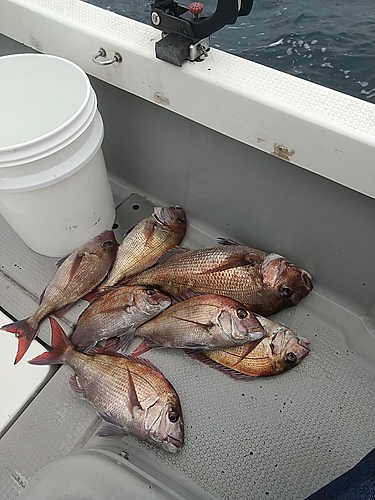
<point>274,44</point>
<point>368,93</point>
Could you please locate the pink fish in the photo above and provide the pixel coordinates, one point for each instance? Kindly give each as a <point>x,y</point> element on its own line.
<point>130,394</point>
<point>77,275</point>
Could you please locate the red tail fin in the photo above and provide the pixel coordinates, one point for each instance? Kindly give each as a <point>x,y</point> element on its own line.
<point>25,332</point>
<point>60,344</point>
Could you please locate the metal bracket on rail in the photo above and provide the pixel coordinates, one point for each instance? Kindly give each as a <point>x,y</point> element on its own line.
<point>186,31</point>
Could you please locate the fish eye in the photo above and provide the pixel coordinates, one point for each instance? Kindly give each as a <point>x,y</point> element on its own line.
<point>242,313</point>
<point>173,416</point>
<point>181,220</point>
<point>107,244</point>
<point>150,291</point>
<point>290,358</point>
<point>286,292</point>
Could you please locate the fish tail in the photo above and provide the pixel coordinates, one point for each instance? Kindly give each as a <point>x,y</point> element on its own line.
<point>25,331</point>
<point>60,344</point>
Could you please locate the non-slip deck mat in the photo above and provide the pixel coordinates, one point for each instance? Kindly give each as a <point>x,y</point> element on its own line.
<point>278,438</point>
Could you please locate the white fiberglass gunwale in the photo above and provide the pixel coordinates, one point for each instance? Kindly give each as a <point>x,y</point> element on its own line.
<point>314,127</point>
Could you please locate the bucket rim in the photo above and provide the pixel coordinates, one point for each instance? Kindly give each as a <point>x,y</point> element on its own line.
<point>61,170</point>
<point>89,93</point>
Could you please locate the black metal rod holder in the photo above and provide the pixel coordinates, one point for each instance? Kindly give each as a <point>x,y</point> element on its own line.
<point>188,29</point>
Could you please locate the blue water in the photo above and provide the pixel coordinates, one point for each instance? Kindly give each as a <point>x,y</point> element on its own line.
<point>329,42</point>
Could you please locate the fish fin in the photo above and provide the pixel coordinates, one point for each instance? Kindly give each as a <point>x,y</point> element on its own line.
<point>25,333</point>
<point>199,356</point>
<point>76,388</point>
<point>59,313</point>
<point>129,230</point>
<point>107,352</point>
<point>91,296</point>
<point>60,343</point>
<point>204,326</point>
<point>42,295</point>
<point>165,256</point>
<point>112,345</point>
<point>149,229</point>
<point>194,348</point>
<point>184,295</point>
<point>233,261</point>
<point>247,348</point>
<point>76,262</point>
<point>61,260</point>
<point>134,403</point>
<point>227,241</point>
<point>99,293</point>
<point>144,362</point>
<point>109,429</point>
<point>85,349</point>
<point>121,341</point>
<point>143,347</point>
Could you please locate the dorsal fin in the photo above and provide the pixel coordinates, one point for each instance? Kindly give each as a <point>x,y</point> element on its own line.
<point>227,241</point>
<point>214,364</point>
<point>144,362</point>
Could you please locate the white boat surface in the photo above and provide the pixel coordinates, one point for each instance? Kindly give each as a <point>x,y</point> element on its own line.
<point>251,154</point>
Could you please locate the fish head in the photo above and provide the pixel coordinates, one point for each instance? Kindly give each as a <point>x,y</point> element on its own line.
<point>289,283</point>
<point>164,423</point>
<point>149,299</point>
<point>171,217</point>
<point>103,244</point>
<point>239,323</point>
<point>288,350</point>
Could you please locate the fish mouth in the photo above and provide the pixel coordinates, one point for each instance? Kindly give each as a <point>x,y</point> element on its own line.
<point>157,214</point>
<point>304,343</point>
<point>174,441</point>
<point>307,281</point>
<point>257,335</point>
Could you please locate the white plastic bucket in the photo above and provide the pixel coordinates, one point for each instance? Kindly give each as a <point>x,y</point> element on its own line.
<point>54,188</point>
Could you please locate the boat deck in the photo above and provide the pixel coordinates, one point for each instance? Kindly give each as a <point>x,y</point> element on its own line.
<point>272,438</point>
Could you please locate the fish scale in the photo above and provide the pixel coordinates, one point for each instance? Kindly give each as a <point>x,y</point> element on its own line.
<point>278,352</point>
<point>143,245</point>
<point>202,322</point>
<point>117,312</point>
<point>264,283</point>
<point>130,394</point>
<point>77,275</point>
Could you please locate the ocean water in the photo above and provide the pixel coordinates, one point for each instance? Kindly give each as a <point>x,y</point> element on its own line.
<point>329,42</point>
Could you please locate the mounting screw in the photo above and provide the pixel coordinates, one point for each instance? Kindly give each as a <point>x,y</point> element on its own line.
<point>155,18</point>
<point>196,8</point>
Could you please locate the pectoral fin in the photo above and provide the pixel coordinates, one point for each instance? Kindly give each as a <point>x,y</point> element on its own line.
<point>75,386</point>
<point>110,428</point>
<point>149,230</point>
<point>61,312</point>
<point>204,326</point>
<point>76,263</point>
<point>121,341</point>
<point>233,261</point>
<point>133,403</point>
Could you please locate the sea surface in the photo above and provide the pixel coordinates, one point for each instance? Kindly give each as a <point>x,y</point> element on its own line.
<point>329,42</point>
